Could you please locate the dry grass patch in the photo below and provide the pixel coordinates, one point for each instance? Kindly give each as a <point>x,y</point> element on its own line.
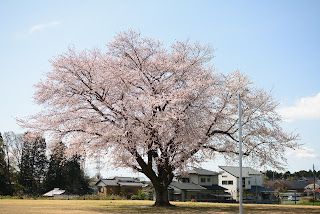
<point>123,206</point>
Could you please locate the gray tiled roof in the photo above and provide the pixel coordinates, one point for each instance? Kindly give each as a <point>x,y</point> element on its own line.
<point>199,171</point>
<point>296,184</point>
<point>186,186</point>
<point>110,182</point>
<point>120,181</point>
<point>122,178</point>
<point>235,171</point>
<point>131,184</point>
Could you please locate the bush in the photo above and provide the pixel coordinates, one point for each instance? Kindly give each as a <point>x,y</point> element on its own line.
<point>314,200</point>
<point>135,197</point>
<point>141,196</point>
<point>100,197</point>
<point>5,196</point>
<point>68,197</point>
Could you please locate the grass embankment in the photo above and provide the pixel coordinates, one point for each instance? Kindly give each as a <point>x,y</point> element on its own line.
<point>122,206</point>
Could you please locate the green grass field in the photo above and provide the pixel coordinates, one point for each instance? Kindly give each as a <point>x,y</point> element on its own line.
<point>17,206</point>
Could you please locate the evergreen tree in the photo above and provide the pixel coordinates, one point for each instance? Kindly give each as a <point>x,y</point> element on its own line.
<point>33,165</point>
<point>66,173</point>
<point>77,182</point>
<point>55,177</point>
<point>3,168</point>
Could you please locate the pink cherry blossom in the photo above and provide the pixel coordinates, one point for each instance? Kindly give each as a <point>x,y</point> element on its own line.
<point>156,110</point>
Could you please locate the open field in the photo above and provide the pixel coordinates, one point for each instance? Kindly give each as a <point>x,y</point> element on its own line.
<point>17,206</point>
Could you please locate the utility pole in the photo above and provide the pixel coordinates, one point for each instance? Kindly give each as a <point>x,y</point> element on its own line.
<point>240,154</point>
<point>244,93</point>
<point>314,185</point>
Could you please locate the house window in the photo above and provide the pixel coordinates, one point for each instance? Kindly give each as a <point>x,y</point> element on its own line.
<point>184,180</point>
<point>203,180</point>
<point>100,189</point>
<point>208,180</point>
<point>128,190</point>
<point>243,182</point>
<point>227,182</point>
<point>249,182</point>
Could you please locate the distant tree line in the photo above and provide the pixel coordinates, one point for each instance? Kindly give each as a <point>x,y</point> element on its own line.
<point>273,175</point>
<point>26,167</point>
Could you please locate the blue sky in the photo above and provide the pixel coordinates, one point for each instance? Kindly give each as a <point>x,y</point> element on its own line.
<point>276,43</point>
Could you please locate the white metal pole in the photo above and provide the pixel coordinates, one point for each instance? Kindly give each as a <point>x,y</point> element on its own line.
<point>240,155</point>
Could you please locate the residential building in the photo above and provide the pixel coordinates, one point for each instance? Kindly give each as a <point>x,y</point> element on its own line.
<point>309,180</point>
<point>179,191</point>
<point>119,186</point>
<point>252,183</point>
<point>197,184</point>
<point>297,186</point>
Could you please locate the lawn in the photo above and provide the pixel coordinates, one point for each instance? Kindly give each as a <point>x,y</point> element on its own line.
<point>108,206</point>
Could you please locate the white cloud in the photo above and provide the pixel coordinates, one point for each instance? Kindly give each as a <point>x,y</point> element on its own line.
<point>42,26</point>
<point>303,153</point>
<point>304,108</point>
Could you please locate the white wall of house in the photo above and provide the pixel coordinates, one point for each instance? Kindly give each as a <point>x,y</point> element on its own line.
<point>229,182</point>
<point>204,180</point>
<point>256,180</point>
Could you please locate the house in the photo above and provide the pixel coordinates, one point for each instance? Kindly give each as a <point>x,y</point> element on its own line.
<point>119,186</point>
<point>297,186</point>
<point>184,191</point>
<point>198,184</point>
<point>252,184</point>
<point>308,180</point>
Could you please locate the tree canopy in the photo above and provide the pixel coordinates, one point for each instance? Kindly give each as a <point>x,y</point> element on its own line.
<point>3,169</point>
<point>33,164</point>
<point>156,110</point>
<point>66,173</point>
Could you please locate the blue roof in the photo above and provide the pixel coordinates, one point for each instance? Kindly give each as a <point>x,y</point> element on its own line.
<point>214,187</point>
<point>259,189</point>
<point>186,186</point>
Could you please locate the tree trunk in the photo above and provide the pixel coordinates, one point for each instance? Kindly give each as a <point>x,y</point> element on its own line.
<point>162,197</point>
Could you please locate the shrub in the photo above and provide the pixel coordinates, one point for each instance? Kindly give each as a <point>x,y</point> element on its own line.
<point>314,200</point>
<point>100,197</point>
<point>135,197</point>
<point>5,196</point>
<point>142,195</point>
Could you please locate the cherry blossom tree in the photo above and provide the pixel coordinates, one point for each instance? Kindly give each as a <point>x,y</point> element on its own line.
<point>156,110</point>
